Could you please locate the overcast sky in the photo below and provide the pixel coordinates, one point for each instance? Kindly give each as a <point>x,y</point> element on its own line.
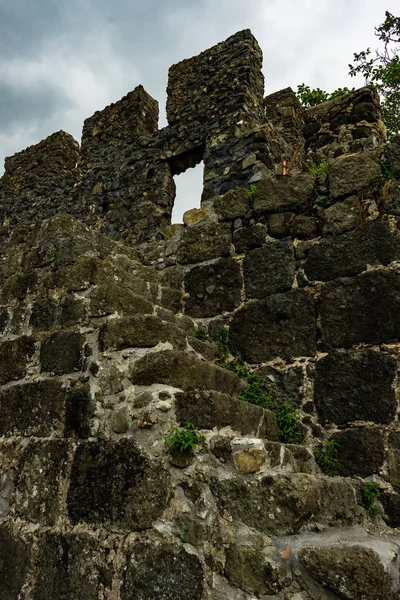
<point>61,60</point>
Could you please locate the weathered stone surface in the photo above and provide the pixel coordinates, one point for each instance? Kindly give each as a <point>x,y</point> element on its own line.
<point>14,358</point>
<point>163,571</point>
<point>351,173</point>
<point>204,242</point>
<point>350,253</point>
<point>355,386</point>
<point>269,269</point>
<point>213,289</point>
<point>142,331</point>
<point>280,194</point>
<point>390,200</point>
<point>214,409</point>
<point>252,570</point>
<point>71,567</point>
<point>235,204</point>
<point>342,216</point>
<point>184,371</point>
<point>6,492</point>
<point>286,382</point>
<point>365,309</point>
<point>42,467</point>
<point>287,504</point>
<point>62,352</point>
<point>391,506</point>
<point>351,572</point>
<point>249,454</point>
<point>32,409</point>
<point>247,238</point>
<point>80,410</point>
<point>14,564</point>
<point>283,325</point>
<point>392,154</point>
<point>110,298</point>
<point>361,451</point>
<point>127,490</point>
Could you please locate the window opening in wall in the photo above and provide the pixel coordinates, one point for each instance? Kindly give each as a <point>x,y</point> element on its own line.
<point>189,186</point>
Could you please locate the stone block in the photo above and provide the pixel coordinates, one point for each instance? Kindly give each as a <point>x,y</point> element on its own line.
<point>355,386</point>
<point>163,571</point>
<point>287,504</point>
<point>72,566</point>
<point>362,309</point>
<point>286,382</point>
<point>361,451</point>
<point>210,409</point>
<point>283,325</point>
<point>349,571</point>
<point>350,253</point>
<point>281,194</point>
<point>351,173</point>
<point>142,331</point>
<point>80,411</point>
<point>252,570</point>
<point>391,505</point>
<point>32,409</point>
<point>185,371</point>
<point>269,269</point>
<point>342,216</point>
<point>204,242</point>
<point>235,204</point>
<point>213,289</point>
<point>248,238</point>
<point>41,470</point>
<point>62,352</point>
<point>116,298</point>
<point>14,358</point>
<point>14,563</point>
<point>249,454</point>
<point>115,486</point>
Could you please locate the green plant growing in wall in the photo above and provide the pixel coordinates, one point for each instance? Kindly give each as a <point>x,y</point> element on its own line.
<point>370,495</point>
<point>317,169</point>
<point>183,439</point>
<point>257,393</point>
<point>52,256</point>
<point>251,191</point>
<point>327,458</point>
<point>201,334</point>
<point>290,431</point>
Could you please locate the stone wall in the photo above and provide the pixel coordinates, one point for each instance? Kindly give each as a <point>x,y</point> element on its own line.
<point>99,355</point>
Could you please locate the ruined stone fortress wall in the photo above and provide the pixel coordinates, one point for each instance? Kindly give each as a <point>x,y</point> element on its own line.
<point>100,301</point>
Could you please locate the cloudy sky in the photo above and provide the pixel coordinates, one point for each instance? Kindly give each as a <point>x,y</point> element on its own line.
<point>60,60</point>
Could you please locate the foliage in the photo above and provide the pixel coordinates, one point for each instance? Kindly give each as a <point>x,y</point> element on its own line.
<point>309,97</point>
<point>383,69</point>
<point>251,191</point>
<point>317,169</point>
<point>327,458</point>
<point>52,256</point>
<point>290,431</point>
<point>234,363</point>
<point>257,393</point>
<point>370,496</point>
<point>183,439</point>
<point>388,173</point>
<point>201,334</point>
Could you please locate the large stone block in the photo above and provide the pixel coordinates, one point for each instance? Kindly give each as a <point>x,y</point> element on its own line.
<point>114,485</point>
<point>269,269</point>
<point>32,409</point>
<point>204,242</point>
<point>106,299</point>
<point>351,572</point>
<point>287,504</point>
<point>283,325</point>
<point>14,564</point>
<point>350,253</point>
<point>363,309</point>
<point>361,451</point>
<point>282,194</point>
<point>163,571</point>
<point>72,567</point>
<point>79,413</point>
<point>351,173</point>
<point>142,331</point>
<point>214,409</point>
<point>213,289</point>
<point>41,470</point>
<point>355,386</point>
<point>185,371</point>
<point>14,358</point>
<point>248,238</point>
<point>62,352</point>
